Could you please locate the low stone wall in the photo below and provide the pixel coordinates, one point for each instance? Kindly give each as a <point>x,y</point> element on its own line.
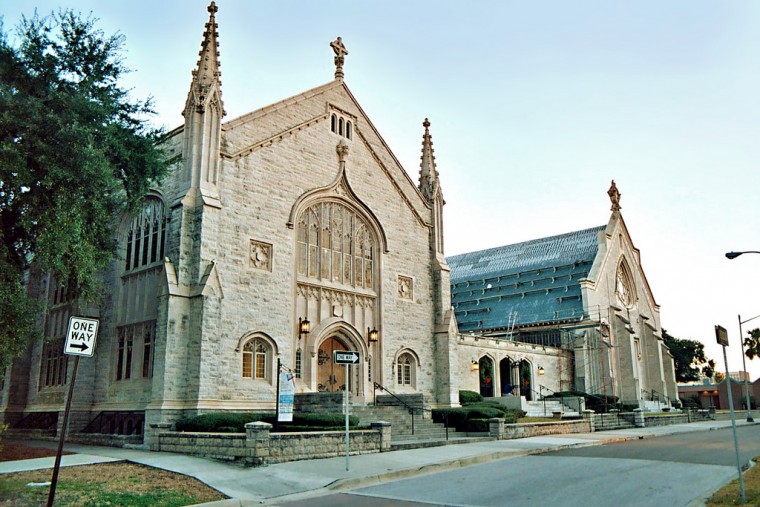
<point>665,420</point>
<point>510,431</point>
<point>258,446</point>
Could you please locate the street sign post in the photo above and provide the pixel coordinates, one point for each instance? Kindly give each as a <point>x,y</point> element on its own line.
<point>80,341</point>
<point>347,358</point>
<point>722,336</point>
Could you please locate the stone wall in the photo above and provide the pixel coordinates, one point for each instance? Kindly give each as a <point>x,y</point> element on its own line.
<point>665,420</point>
<point>511,431</point>
<point>259,447</point>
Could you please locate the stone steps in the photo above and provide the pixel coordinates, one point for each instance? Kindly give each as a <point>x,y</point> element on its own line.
<point>401,422</point>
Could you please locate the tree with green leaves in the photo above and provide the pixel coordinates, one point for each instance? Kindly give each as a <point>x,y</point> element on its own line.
<point>752,344</point>
<point>76,151</point>
<point>689,358</point>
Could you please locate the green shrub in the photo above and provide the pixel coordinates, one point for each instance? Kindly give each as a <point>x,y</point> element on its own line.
<point>234,422</point>
<point>457,417</point>
<point>487,406</point>
<point>214,422</point>
<point>478,425</point>
<point>517,413</point>
<point>483,413</point>
<point>691,402</point>
<point>510,418</point>
<point>469,397</point>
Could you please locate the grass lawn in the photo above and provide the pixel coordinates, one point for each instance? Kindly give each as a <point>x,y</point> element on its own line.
<point>113,484</point>
<point>731,494</point>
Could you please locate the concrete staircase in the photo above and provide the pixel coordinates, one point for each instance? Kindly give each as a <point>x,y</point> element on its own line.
<point>426,432</point>
<point>547,409</point>
<point>401,421</point>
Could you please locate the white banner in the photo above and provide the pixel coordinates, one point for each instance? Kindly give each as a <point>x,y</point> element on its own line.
<point>287,392</point>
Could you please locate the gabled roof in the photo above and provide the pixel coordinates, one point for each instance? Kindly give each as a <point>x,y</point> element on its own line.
<point>526,283</point>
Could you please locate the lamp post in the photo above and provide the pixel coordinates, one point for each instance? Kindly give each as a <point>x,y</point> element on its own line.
<point>734,255</point>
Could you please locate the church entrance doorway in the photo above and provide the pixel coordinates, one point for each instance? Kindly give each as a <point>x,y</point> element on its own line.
<point>485,367</point>
<point>526,380</point>
<point>330,377</point>
<point>505,377</point>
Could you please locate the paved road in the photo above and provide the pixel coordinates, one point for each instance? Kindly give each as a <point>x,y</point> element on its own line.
<point>671,471</point>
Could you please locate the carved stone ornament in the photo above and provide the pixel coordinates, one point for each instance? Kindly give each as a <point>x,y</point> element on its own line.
<point>261,255</point>
<point>405,287</point>
<point>614,194</point>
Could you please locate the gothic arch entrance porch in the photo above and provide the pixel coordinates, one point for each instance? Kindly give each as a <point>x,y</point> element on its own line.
<point>330,377</point>
<point>486,369</point>
<point>506,377</point>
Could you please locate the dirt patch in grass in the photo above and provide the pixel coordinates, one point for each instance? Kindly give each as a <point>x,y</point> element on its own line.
<point>15,452</point>
<point>113,484</point>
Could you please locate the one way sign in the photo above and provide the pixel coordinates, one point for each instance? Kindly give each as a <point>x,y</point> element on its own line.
<point>80,338</point>
<point>345,357</point>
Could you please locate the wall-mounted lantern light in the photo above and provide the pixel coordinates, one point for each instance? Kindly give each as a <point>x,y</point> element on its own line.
<point>475,366</point>
<point>540,370</point>
<point>304,326</point>
<point>373,336</point>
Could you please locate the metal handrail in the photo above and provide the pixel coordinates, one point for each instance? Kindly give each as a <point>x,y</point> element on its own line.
<point>409,408</point>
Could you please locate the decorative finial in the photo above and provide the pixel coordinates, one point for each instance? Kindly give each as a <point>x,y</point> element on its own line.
<point>342,150</point>
<point>212,8</point>
<point>428,183</point>
<point>340,52</point>
<point>614,197</point>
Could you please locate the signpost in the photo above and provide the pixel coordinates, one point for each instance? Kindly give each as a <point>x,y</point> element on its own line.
<point>80,341</point>
<point>347,358</point>
<point>722,336</point>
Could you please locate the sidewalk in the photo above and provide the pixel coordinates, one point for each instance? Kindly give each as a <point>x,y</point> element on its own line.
<point>254,486</point>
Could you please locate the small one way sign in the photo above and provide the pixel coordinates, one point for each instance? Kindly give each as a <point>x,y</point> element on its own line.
<point>80,338</point>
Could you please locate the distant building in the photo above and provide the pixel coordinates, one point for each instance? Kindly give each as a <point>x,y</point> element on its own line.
<point>740,376</point>
<point>709,395</point>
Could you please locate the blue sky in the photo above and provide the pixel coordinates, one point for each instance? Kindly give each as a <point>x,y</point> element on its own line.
<point>535,107</point>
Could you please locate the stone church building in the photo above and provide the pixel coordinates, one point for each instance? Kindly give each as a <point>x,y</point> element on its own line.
<point>292,232</point>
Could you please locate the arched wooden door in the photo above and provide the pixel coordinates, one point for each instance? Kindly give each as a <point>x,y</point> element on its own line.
<point>330,377</point>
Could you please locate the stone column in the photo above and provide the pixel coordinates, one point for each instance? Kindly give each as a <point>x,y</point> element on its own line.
<point>257,442</point>
<point>496,428</point>
<point>385,434</point>
<point>588,415</point>
<point>153,437</point>
<point>638,417</point>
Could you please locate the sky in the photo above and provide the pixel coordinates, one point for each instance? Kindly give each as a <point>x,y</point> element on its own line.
<point>534,108</point>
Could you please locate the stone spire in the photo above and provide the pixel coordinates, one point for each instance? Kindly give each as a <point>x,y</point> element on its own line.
<point>428,174</point>
<point>340,53</point>
<point>614,197</point>
<point>203,123</point>
<point>206,85</point>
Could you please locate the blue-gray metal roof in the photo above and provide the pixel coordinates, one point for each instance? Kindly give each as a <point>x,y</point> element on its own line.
<point>525,283</point>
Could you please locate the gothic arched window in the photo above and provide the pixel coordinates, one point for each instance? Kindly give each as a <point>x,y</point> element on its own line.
<point>336,244</point>
<point>624,286</point>
<point>405,370</point>
<point>146,236</point>
<point>256,359</point>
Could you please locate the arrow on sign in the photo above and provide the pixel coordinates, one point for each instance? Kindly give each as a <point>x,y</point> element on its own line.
<point>346,357</point>
<point>81,346</point>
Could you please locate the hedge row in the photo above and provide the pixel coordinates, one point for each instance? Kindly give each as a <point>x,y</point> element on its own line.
<point>474,416</point>
<point>234,422</point>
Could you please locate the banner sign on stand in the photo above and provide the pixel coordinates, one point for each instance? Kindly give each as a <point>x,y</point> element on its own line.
<point>286,395</point>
